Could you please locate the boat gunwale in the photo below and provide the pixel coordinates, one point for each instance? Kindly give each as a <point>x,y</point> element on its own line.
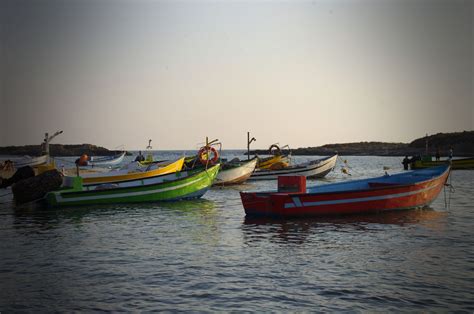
<point>294,169</point>
<point>195,173</point>
<point>91,184</point>
<point>270,193</point>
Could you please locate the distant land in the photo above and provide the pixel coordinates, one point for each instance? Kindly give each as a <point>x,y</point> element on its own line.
<point>58,150</point>
<point>462,143</point>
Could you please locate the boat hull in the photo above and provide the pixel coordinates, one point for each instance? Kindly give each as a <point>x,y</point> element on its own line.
<point>311,170</point>
<point>107,161</point>
<point>456,164</point>
<point>30,161</point>
<point>179,187</point>
<point>380,197</point>
<point>236,175</point>
<point>125,175</point>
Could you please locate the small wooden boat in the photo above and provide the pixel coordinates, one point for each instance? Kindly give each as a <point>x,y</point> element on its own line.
<point>133,173</point>
<point>171,187</point>
<point>235,172</point>
<point>412,189</point>
<point>456,164</point>
<point>313,169</point>
<point>106,161</point>
<point>19,162</point>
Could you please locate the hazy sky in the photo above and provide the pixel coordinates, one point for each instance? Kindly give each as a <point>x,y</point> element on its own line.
<point>303,73</point>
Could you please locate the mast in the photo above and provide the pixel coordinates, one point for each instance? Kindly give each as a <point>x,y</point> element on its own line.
<point>249,141</point>
<point>47,140</point>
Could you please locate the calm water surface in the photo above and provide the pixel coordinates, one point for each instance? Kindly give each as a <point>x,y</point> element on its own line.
<point>205,255</point>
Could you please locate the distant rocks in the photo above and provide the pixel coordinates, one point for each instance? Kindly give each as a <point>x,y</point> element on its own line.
<point>461,142</point>
<point>58,150</point>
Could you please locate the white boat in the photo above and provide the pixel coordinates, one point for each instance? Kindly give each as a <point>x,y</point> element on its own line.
<point>235,172</point>
<point>19,162</point>
<point>313,169</point>
<point>106,161</point>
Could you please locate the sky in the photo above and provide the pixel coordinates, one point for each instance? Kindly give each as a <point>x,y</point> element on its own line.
<point>303,73</point>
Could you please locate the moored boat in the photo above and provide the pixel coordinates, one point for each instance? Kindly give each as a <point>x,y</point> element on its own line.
<point>456,164</point>
<point>235,172</point>
<point>313,169</point>
<point>128,174</point>
<point>19,162</point>
<point>171,187</point>
<point>412,189</point>
<point>103,161</point>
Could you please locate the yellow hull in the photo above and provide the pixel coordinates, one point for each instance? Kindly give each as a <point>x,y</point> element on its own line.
<point>111,178</point>
<point>275,162</point>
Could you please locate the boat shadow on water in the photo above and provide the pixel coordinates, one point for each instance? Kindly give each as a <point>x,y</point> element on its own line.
<point>298,230</point>
<point>40,214</point>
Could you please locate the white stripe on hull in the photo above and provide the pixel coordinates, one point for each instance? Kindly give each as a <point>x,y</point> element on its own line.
<point>298,203</point>
<point>61,199</point>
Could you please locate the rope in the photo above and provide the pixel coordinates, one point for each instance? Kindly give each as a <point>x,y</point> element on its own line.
<point>343,168</point>
<point>452,190</point>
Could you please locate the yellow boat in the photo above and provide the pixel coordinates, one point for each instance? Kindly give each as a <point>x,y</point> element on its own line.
<point>125,175</point>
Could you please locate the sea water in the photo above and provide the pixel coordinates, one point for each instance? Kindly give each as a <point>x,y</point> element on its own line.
<point>204,255</point>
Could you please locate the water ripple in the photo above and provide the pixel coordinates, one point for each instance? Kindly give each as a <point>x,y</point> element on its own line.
<point>205,255</point>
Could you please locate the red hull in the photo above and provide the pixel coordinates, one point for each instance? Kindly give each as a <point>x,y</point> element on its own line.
<point>374,199</point>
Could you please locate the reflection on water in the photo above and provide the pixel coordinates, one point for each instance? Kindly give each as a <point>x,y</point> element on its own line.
<point>390,217</point>
<point>204,255</point>
<point>297,230</point>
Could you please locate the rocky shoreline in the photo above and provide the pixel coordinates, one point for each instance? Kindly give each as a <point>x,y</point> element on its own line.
<point>461,142</point>
<point>58,150</point>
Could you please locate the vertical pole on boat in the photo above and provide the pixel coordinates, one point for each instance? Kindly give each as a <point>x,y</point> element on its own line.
<point>248,145</point>
<point>47,140</point>
<point>249,141</point>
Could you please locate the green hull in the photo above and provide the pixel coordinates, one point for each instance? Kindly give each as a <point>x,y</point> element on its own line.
<point>456,164</point>
<point>192,186</point>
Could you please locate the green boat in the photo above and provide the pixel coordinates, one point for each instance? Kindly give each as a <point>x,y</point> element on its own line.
<point>171,187</point>
<point>456,164</point>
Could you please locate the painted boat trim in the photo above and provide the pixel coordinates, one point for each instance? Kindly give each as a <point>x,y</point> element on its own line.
<point>308,170</point>
<point>298,203</point>
<point>125,194</point>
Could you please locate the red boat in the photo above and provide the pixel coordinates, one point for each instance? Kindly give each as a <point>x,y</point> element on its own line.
<point>411,189</point>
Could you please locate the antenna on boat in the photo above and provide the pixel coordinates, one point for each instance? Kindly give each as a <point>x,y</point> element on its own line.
<point>249,141</point>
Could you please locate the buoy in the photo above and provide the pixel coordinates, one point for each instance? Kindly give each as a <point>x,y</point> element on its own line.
<point>204,155</point>
<point>344,170</point>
